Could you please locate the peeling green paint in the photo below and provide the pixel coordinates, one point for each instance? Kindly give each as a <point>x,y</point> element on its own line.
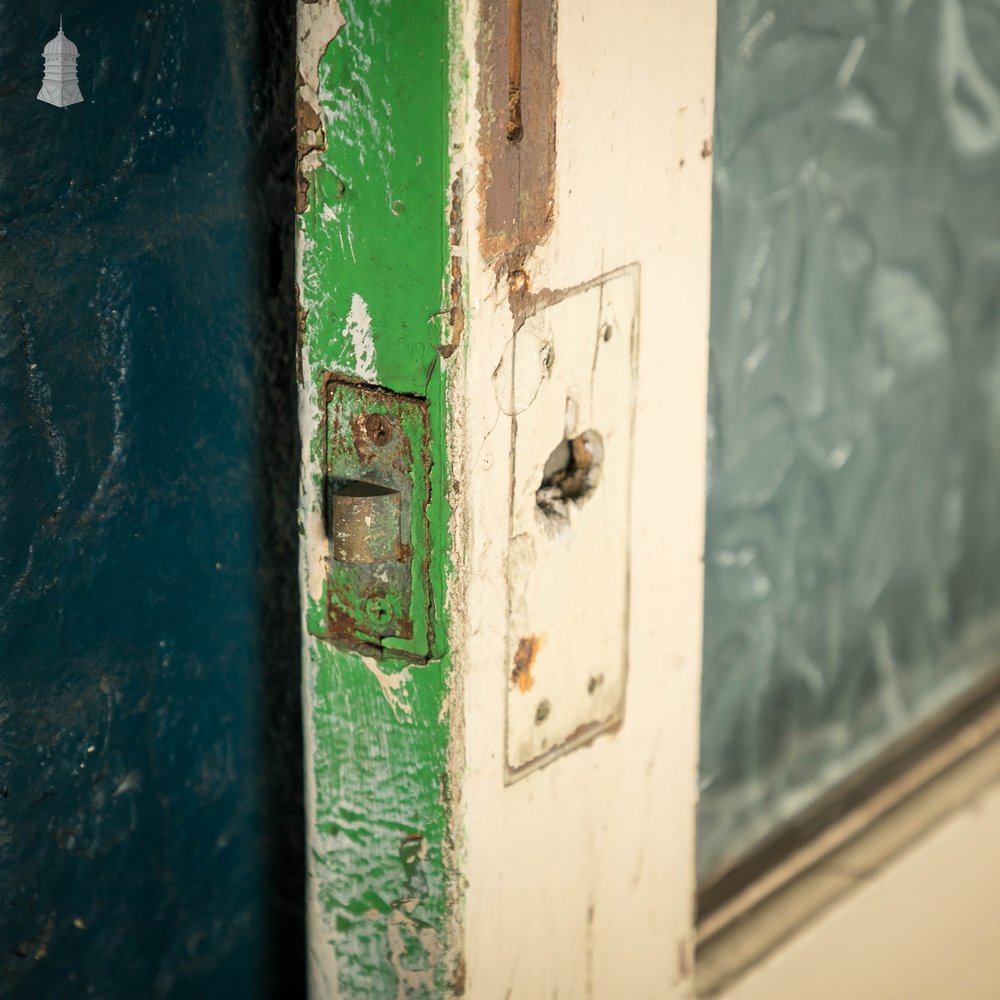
<point>373,258</point>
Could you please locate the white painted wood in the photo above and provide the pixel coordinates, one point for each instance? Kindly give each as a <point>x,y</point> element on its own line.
<point>579,879</point>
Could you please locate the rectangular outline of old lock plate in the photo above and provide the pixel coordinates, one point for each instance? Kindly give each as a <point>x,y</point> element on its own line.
<point>588,731</point>
<point>416,648</point>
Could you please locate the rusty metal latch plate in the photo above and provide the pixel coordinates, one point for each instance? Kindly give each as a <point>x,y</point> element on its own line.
<point>376,492</point>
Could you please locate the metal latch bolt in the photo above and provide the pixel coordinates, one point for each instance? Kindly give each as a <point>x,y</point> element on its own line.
<point>377,490</point>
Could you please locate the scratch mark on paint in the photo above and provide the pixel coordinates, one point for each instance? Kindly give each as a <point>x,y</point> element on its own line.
<point>407,934</point>
<point>359,329</point>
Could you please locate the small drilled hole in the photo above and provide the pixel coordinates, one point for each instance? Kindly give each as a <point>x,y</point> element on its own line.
<point>379,428</point>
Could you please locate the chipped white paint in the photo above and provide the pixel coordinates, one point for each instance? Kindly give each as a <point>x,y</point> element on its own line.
<point>393,687</point>
<point>318,23</point>
<point>411,981</point>
<point>580,876</point>
<point>358,328</point>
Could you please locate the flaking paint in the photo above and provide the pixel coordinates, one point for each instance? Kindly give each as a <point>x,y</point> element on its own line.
<point>373,281</point>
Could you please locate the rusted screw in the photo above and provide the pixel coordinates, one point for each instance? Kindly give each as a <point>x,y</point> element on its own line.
<point>378,611</point>
<point>378,428</point>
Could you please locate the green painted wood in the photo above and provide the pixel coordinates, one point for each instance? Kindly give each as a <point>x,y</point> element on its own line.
<point>375,249</point>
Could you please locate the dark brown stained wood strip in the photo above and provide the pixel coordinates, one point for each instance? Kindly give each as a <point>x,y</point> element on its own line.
<point>517,101</point>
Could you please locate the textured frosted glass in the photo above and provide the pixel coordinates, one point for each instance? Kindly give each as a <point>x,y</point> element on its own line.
<point>853,541</point>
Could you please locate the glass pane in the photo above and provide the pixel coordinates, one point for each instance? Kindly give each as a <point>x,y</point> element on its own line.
<point>853,503</point>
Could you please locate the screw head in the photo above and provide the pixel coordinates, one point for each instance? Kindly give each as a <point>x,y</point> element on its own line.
<point>377,611</point>
<point>378,427</point>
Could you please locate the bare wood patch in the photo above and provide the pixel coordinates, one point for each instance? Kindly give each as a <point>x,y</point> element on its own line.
<point>517,102</point>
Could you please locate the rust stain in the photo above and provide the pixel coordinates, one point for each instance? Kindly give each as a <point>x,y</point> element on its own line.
<point>371,432</point>
<point>524,659</point>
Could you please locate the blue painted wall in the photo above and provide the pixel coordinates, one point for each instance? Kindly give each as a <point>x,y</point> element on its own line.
<point>150,830</point>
